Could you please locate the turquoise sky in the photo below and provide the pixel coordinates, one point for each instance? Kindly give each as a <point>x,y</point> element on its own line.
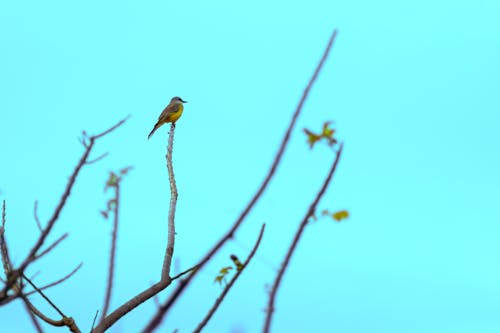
<point>413,88</point>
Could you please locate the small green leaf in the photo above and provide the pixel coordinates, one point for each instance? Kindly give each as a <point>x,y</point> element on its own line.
<point>225,270</point>
<point>340,215</point>
<point>219,279</point>
<point>327,134</point>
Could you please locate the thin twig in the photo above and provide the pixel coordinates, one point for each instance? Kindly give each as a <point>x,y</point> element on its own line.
<point>93,322</point>
<point>52,246</point>
<point>156,300</point>
<point>228,286</point>
<point>111,129</point>
<point>9,298</point>
<point>3,215</point>
<point>194,268</point>
<point>35,322</point>
<point>293,245</point>
<point>65,321</point>
<point>32,277</point>
<point>114,238</point>
<point>39,314</point>
<point>4,250</point>
<point>35,214</point>
<point>97,159</point>
<point>181,286</point>
<point>6,263</point>
<point>61,280</point>
<point>44,296</point>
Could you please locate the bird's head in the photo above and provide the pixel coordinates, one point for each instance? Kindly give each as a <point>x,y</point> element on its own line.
<point>177,100</point>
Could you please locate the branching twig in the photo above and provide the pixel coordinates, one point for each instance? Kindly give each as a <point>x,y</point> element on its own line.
<point>228,286</point>
<point>111,129</point>
<point>44,296</point>
<point>15,274</point>
<point>293,245</point>
<point>229,234</point>
<point>65,321</point>
<point>165,279</point>
<point>38,313</point>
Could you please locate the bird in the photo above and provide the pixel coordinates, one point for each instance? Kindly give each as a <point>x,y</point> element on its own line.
<point>171,113</point>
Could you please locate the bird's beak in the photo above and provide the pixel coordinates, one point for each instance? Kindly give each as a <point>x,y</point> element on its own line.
<point>183,101</point>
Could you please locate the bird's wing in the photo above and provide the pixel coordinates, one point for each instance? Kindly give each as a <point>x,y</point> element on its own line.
<point>168,110</point>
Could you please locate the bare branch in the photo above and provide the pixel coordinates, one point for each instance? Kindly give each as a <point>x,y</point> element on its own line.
<point>169,251</point>
<point>109,130</point>
<point>33,310</point>
<point>228,286</point>
<point>277,159</point>
<point>131,304</point>
<point>3,215</point>
<point>15,274</point>
<point>112,255</point>
<point>165,279</point>
<point>4,250</point>
<point>65,321</point>
<point>9,298</point>
<point>293,245</point>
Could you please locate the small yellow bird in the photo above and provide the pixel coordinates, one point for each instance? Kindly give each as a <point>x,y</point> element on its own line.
<point>171,113</point>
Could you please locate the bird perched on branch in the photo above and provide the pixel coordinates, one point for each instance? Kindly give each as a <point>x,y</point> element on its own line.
<point>170,114</point>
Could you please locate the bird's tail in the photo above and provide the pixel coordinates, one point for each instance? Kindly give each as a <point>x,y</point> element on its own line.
<point>154,129</point>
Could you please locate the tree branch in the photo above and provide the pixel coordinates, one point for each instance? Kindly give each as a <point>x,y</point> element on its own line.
<point>4,250</point>
<point>65,321</point>
<point>293,245</point>
<point>277,159</point>
<point>114,237</point>
<point>35,322</point>
<point>15,274</point>
<point>165,279</point>
<point>169,252</point>
<point>228,286</point>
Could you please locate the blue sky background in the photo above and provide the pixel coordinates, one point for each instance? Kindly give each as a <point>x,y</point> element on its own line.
<point>413,88</point>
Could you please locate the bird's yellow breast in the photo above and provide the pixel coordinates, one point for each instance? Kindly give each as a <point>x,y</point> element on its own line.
<point>174,116</point>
